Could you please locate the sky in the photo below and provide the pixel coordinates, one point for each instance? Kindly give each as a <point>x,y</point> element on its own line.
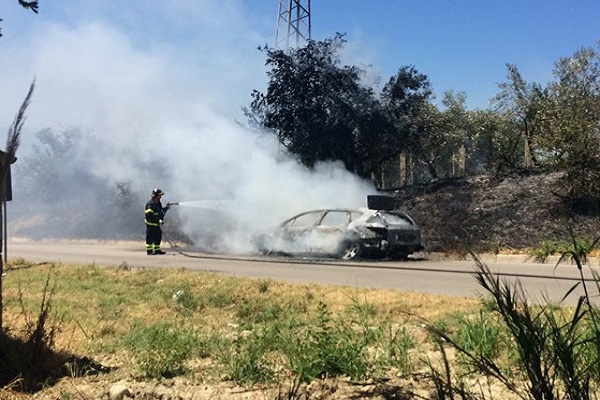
<point>460,45</point>
<point>167,80</point>
<point>463,45</point>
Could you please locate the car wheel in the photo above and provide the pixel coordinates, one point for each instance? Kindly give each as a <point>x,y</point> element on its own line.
<point>263,247</point>
<point>265,252</point>
<point>349,250</point>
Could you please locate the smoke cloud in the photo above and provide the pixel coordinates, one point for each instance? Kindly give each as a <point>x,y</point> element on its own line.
<point>164,111</point>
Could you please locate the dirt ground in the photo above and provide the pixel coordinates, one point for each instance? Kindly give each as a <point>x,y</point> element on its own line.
<point>115,387</point>
<point>323,390</point>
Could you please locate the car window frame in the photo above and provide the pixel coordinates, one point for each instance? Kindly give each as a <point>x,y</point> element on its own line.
<point>345,223</point>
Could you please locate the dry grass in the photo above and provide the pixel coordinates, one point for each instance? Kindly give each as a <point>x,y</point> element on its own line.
<point>94,308</point>
<point>101,304</point>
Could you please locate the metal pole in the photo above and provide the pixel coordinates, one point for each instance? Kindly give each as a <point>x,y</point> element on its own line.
<point>5,232</point>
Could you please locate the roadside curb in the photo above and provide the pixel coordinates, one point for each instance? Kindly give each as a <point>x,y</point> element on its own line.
<point>509,258</point>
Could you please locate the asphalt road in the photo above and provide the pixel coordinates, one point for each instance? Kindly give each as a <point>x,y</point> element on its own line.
<point>429,274</point>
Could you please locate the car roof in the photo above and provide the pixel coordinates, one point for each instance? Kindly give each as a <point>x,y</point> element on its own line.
<point>351,209</point>
<point>362,210</point>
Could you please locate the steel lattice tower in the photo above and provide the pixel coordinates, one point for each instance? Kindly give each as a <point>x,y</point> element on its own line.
<point>293,23</point>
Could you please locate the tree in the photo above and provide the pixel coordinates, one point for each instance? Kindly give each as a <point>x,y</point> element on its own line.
<point>318,109</point>
<point>557,127</point>
<point>376,140</point>
<point>571,133</point>
<point>406,99</point>
<point>7,158</point>
<point>521,102</point>
<point>54,167</point>
<point>493,144</point>
<point>30,5</point>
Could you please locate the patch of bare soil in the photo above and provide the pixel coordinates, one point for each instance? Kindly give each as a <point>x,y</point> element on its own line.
<point>180,389</point>
<point>114,387</point>
<point>484,214</point>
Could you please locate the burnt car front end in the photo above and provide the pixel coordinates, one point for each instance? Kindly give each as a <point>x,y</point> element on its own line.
<point>389,234</point>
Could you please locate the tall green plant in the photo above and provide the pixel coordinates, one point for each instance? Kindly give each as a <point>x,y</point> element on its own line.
<point>161,350</point>
<point>327,348</point>
<point>481,335</point>
<point>245,358</point>
<point>556,347</point>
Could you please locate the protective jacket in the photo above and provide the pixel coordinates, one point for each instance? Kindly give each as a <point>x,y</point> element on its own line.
<point>154,213</point>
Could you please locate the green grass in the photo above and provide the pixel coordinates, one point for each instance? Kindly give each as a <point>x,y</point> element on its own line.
<point>160,320</point>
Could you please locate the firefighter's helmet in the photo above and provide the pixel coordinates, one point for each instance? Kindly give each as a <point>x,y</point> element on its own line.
<point>157,192</point>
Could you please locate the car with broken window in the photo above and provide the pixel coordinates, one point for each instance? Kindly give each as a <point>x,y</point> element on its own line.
<point>345,233</point>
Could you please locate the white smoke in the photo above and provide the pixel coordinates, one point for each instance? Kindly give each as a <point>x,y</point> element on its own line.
<point>163,112</point>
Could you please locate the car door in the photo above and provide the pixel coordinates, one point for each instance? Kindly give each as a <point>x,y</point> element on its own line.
<point>298,232</point>
<point>330,231</point>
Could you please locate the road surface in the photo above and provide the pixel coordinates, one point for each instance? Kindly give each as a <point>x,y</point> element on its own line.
<point>427,275</point>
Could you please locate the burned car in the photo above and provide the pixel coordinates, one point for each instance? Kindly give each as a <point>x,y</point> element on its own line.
<point>344,233</point>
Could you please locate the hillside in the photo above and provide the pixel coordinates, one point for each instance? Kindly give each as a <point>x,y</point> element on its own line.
<point>482,213</point>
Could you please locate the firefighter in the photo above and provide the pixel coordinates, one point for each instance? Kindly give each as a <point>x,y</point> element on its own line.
<point>154,216</point>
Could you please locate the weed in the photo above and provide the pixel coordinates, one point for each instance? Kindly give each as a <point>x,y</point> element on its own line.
<point>293,338</point>
<point>291,391</point>
<point>161,350</point>
<point>32,360</point>
<point>546,249</point>
<point>577,247</point>
<point>480,336</point>
<point>263,286</point>
<point>398,344</point>
<point>553,345</point>
<point>245,358</point>
<point>447,385</point>
<point>219,296</point>
<point>329,348</point>
<point>259,310</point>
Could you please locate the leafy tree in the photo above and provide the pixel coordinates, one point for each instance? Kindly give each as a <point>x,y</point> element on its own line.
<point>572,124</point>
<point>521,102</point>
<point>460,132</point>
<point>61,166</point>
<point>376,138</point>
<point>30,5</point>
<point>406,99</point>
<point>494,147</point>
<point>441,144</point>
<point>54,168</point>
<point>556,127</point>
<point>319,110</point>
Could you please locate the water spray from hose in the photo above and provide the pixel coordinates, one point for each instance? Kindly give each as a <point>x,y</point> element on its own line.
<point>218,205</point>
